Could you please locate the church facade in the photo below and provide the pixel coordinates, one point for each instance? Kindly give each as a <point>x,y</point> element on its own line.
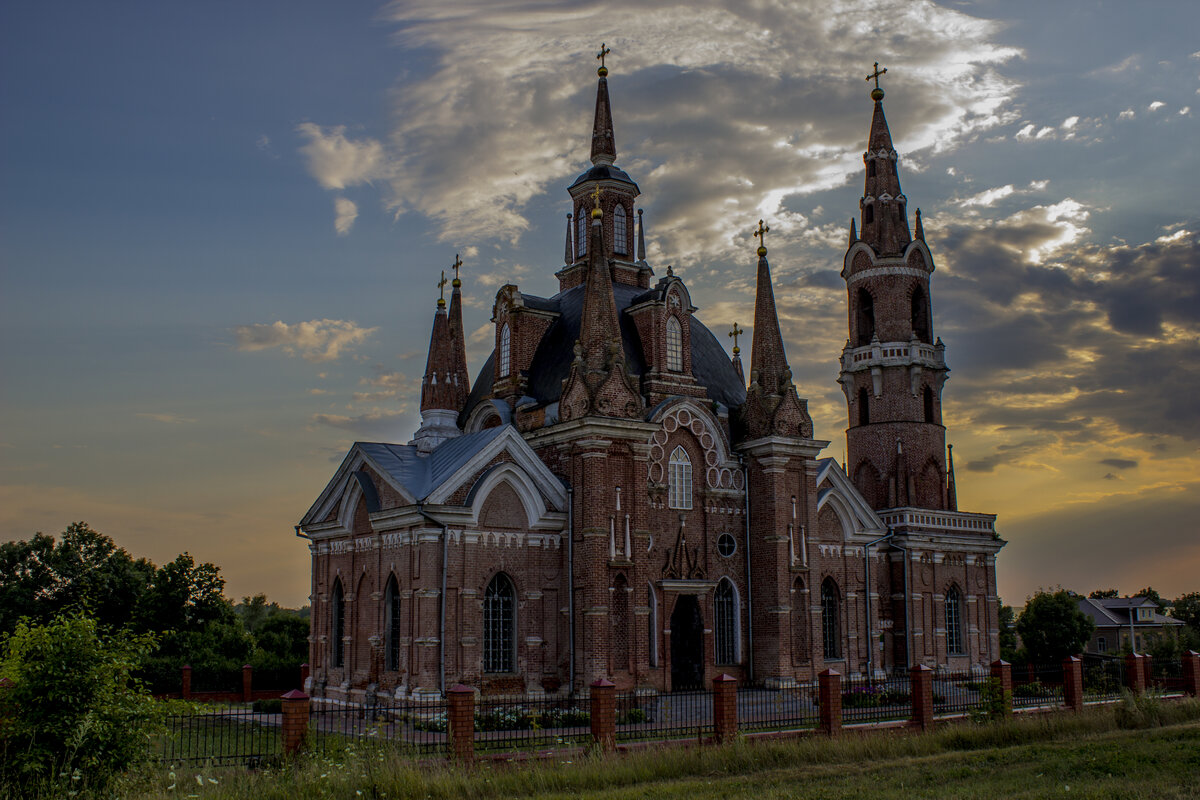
<point>614,497</point>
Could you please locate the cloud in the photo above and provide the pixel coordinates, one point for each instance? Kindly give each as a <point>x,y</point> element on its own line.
<point>1156,105</point>
<point>377,425</point>
<point>316,340</point>
<point>337,161</point>
<point>346,212</point>
<point>1119,463</point>
<point>167,418</point>
<point>1128,113</point>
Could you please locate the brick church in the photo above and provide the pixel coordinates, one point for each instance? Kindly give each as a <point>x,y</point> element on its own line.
<point>612,498</point>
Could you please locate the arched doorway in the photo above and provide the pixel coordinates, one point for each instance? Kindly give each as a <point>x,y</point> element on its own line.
<point>687,644</point>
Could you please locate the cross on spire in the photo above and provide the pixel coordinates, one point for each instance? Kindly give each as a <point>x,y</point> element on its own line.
<point>603,52</point>
<point>877,73</point>
<point>736,332</point>
<point>761,234</point>
<point>457,263</point>
<point>442,289</point>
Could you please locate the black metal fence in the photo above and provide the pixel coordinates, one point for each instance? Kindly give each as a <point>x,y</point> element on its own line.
<point>791,708</point>
<point>673,715</point>
<point>219,735</point>
<point>523,723</point>
<point>415,726</point>
<point>1103,677</point>
<point>1037,685</point>
<point>876,699</point>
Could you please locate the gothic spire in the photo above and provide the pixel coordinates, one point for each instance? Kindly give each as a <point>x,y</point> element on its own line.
<point>460,377</point>
<point>951,491</point>
<point>884,216</point>
<point>568,250</point>
<point>598,326</point>
<point>768,362</point>
<point>604,147</point>
<point>443,389</point>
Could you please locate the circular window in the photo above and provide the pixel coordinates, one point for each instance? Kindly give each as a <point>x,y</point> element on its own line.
<point>726,545</point>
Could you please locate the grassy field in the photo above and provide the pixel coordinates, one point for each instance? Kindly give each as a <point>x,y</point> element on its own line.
<point>1141,749</point>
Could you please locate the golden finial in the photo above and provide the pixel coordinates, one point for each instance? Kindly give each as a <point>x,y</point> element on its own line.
<point>596,212</point>
<point>603,71</point>
<point>736,332</point>
<point>761,234</point>
<point>441,290</point>
<point>457,263</point>
<point>877,93</point>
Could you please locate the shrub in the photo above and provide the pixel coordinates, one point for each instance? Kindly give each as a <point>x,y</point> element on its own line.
<point>992,703</point>
<point>71,708</point>
<point>268,706</point>
<point>873,696</point>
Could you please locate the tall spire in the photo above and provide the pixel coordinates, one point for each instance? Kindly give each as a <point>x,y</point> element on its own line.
<point>460,376</point>
<point>604,147</point>
<point>442,388</point>
<point>768,362</point>
<point>568,250</point>
<point>735,332</point>
<point>884,216</point>
<point>641,245</point>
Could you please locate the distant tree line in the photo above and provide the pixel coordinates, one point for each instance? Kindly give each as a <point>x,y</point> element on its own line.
<point>181,606</point>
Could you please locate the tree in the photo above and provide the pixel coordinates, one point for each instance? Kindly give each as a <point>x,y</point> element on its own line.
<point>1008,634</point>
<point>1100,594</point>
<point>70,703</point>
<point>1150,594</point>
<point>1052,627</point>
<point>1186,609</point>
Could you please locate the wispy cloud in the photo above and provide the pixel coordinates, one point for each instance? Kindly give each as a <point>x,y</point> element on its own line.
<point>346,212</point>
<point>316,340</point>
<point>337,161</point>
<point>167,418</point>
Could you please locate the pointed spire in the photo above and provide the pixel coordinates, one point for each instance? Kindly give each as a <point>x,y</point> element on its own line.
<point>459,375</point>
<point>598,325</point>
<point>641,244</point>
<point>853,231</point>
<point>884,216</point>
<point>604,147</point>
<point>735,332</point>
<point>920,234</point>
<point>768,362</point>
<point>568,250</point>
<point>951,492</point>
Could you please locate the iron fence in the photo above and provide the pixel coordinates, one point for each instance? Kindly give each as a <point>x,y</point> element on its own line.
<point>676,715</point>
<point>1103,677</point>
<point>521,723</point>
<point>220,735</point>
<point>415,726</point>
<point>792,708</point>
<point>957,692</point>
<point>876,699</point>
<point>1037,685</point>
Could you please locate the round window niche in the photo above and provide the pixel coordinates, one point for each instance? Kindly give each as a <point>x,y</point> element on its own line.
<point>726,545</point>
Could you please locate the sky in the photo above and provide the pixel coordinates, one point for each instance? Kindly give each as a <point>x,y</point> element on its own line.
<point>222,225</point>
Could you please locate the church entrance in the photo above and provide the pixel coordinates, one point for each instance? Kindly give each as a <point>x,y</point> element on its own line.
<point>687,644</point>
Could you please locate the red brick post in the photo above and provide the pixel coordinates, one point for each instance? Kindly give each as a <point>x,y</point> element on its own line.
<point>725,720</point>
<point>1072,669</point>
<point>295,721</point>
<point>303,675</point>
<point>185,678</point>
<point>1148,670</point>
<point>920,678</point>
<point>247,683</point>
<point>604,714</point>
<point>1191,673</point>
<point>1002,673</point>
<point>829,692</point>
<point>461,722</point>
<point>1135,679</point>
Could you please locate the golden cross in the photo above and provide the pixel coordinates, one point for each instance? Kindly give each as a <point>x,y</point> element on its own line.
<point>457,263</point>
<point>442,286</point>
<point>596,195</point>
<point>735,333</point>
<point>761,233</point>
<point>603,52</point>
<point>876,74</point>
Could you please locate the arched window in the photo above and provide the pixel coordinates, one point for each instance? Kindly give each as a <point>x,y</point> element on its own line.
<point>864,407</point>
<point>679,480</point>
<point>954,637</point>
<point>674,345</point>
<point>920,315</point>
<point>391,607</point>
<point>929,405</point>
<point>866,317</point>
<point>505,348</point>
<point>869,214</point>
<point>726,612</point>
<point>337,625</point>
<point>831,628</point>
<point>652,621</point>
<point>499,625</point>
<point>620,231</point>
<point>581,231</point>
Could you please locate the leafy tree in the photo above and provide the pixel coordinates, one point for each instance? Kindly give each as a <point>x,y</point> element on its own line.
<point>1186,609</point>
<point>70,705</point>
<point>1150,594</point>
<point>1052,627</point>
<point>1099,594</point>
<point>1008,634</point>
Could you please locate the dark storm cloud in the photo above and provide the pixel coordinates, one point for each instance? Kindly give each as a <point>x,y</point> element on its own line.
<point>1119,463</point>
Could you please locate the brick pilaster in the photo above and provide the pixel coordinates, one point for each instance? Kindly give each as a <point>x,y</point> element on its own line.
<point>304,677</point>
<point>1002,672</point>
<point>725,720</point>
<point>1135,678</point>
<point>295,721</point>
<point>1191,673</point>
<point>1073,683</point>
<point>920,679</point>
<point>247,683</point>
<point>830,694</point>
<point>604,714</point>
<point>185,679</point>
<point>461,722</point>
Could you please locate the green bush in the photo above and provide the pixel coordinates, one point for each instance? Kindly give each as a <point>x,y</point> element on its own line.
<point>71,712</point>
<point>268,706</point>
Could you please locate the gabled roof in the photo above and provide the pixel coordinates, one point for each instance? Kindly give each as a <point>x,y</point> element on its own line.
<point>1115,611</point>
<point>834,487</point>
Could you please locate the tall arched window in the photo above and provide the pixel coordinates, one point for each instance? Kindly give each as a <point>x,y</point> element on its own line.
<point>866,317</point>
<point>505,350</point>
<point>864,407</point>
<point>620,231</point>
<point>726,613</point>
<point>581,232</point>
<point>920,315</point>
<point>674,345</point>
<point>499,625</point>
<point>831,628</point>
<point>679,480</point>
<point>869,214</point>
<point>337,625</point>
<point>954,637</point>
<point>391,607</point>
<point>928,400</point>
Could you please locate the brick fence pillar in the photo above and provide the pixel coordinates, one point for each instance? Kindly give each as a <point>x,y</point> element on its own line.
<point>295,721</point>
<point>1148,670</point>
<point>304,677</point>
<point>1135,679</point>
<point>920,679</point>
<point>829,690</point>
<point>604,714</point>
<point>185,682</point>
<point>1072,669</point>
<point>247,683</point>
<point>725,720</point>
<point>1002,674</point>
<point>461,722</point>
<point>1191,673</point>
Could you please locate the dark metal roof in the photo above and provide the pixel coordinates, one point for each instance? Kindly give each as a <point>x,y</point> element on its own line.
<point>421,474</point>
<point>552,360</point>
<point>604,172</point>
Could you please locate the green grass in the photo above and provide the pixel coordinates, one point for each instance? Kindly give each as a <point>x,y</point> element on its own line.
<point>1142,748</point>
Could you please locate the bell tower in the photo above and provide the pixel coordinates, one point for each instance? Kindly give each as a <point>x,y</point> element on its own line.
<point>892,369</point>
